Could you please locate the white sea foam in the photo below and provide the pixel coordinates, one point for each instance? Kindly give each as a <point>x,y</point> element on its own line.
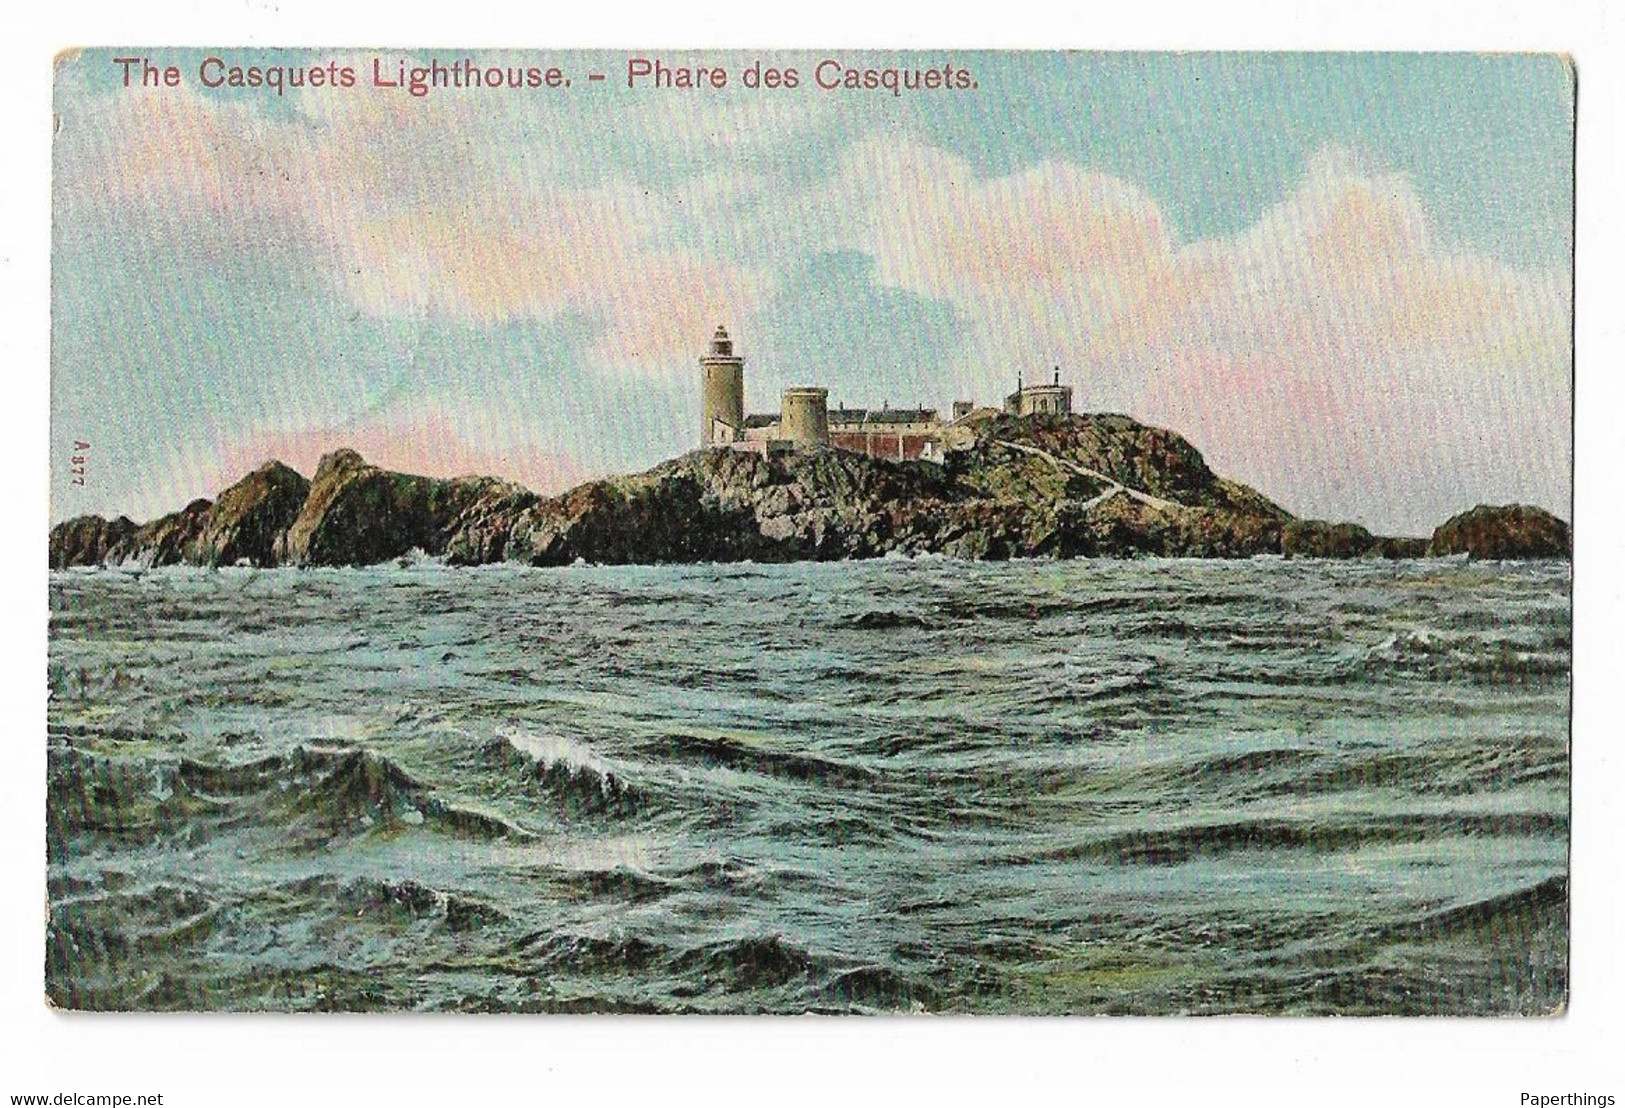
<point>551,749</point>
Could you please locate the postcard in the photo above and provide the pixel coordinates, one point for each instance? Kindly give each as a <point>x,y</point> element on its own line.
<point>799,531</point>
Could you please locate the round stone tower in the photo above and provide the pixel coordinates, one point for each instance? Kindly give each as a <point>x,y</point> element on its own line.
<point>804,416</point>
<point>722,390</point>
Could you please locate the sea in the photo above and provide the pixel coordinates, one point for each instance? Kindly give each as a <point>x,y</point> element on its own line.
<point>897,786</point>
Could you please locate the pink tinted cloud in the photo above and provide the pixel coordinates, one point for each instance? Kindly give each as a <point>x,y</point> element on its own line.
<point>368,192</point>
<point>430,446</point>
<point>1333,346</point>
<point>1335,353</point>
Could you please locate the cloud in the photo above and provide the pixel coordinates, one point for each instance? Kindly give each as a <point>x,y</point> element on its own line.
<point>430,444</point>
<point>489,258</point>
<point>1337,352</point>
<point>413,211</point>
<point>1334,352</point>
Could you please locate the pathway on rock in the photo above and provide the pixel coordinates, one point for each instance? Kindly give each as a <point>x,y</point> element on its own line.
<point>1116,486</point>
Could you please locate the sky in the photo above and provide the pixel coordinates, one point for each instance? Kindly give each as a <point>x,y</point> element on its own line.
<point>1344,277</point>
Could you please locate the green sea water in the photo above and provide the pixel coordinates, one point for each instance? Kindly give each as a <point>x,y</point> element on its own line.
<point>897,786</point>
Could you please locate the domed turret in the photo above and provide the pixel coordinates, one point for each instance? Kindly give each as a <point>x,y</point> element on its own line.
<point>1051,399</point>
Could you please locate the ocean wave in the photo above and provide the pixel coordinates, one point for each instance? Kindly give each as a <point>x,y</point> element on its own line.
<point>1520,911</point>
<point>378,901</point>
<point>570,771</point>
<point>342,791</point>
<point>1178,845</point>
<point>125,924</point>
<point>1441,657</point>
<point>1436,770</point>
<point>756,962</point>
<point>1022,609</point>
<point>1035,787</point>
<point>619,883</point>
<point>313,795</point>
<point>579,954</point>
<point>886,620</point>
<point>880,989</point>
<point>736,754</point>
<point>119,801</point>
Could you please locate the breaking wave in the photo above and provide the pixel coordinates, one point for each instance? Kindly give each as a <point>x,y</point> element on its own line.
<point>917,785</point>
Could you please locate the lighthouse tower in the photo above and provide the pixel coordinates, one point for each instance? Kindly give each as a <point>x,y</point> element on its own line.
<point>722,392</point>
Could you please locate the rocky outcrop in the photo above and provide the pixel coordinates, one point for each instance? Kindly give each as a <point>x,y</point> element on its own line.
<point>1396,548</point>
<point>1509,531</point>
<point>358,514</point>
<point>1149,459</point>
<point>654,518</point>
<point>483,529</point>
<point>1043,486</point>
<point>250,517</point>
<point>86,540</point>
<point>1315,538</point>
<point>167,541</point>
<point>241,526</point>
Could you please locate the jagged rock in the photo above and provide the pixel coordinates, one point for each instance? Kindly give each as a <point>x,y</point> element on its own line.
<point>1043,486</point>
<point>1509,531</point>
<point>997,500</point>
<point>483,529</point>
<point>85,540</point>
<point>167,541</point>
<point>1150,459</point>
<point>1397,548</point>
<point>1315,538</point>
<point>358,514</point>
<point>250,516</point>
<point>664,518</point>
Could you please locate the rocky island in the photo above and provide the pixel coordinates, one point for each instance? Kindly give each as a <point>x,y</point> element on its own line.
<point>1044,485</point>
